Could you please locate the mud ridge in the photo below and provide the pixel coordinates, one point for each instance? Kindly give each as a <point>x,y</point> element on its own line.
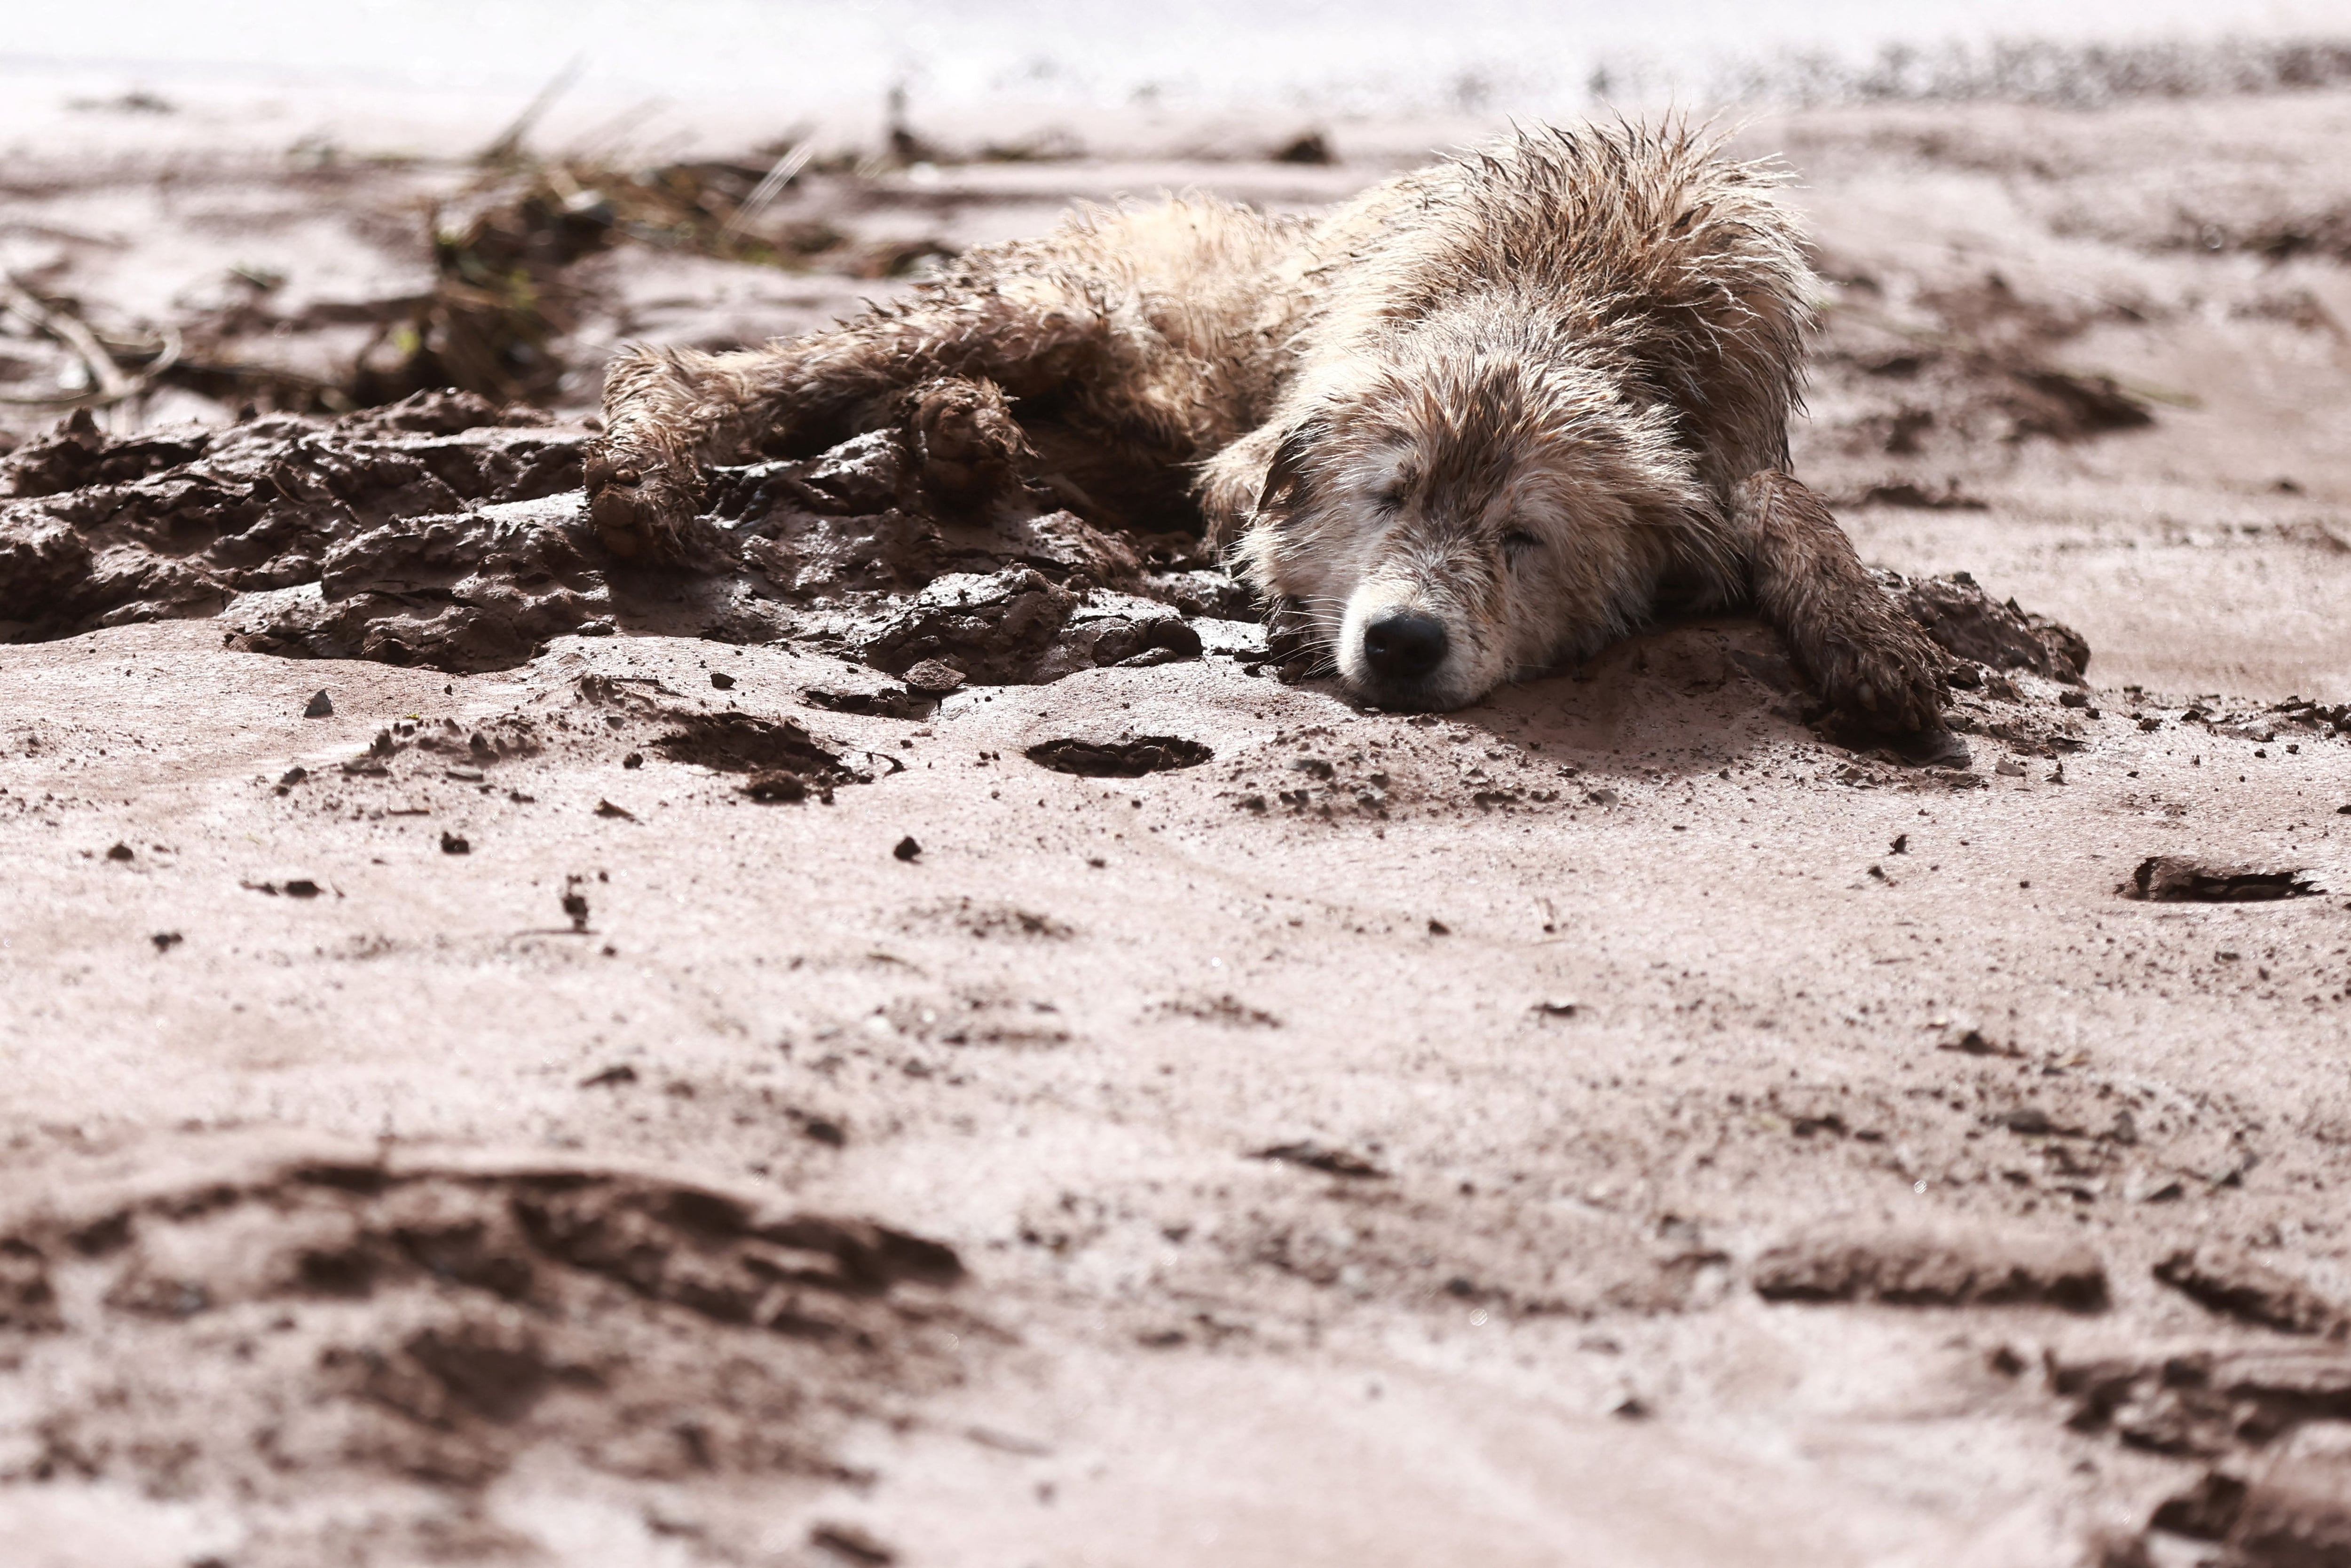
<point>428,1319</point>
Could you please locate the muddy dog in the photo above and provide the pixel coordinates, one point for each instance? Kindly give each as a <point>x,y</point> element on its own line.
<point>1472,424</point>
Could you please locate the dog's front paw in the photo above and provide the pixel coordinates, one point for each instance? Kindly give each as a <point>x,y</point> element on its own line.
<point>1881,671</point>
<point>640,503</point>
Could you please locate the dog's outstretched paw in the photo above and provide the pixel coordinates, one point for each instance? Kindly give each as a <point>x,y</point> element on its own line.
<point>639,503</point>
<point>1881,672</point>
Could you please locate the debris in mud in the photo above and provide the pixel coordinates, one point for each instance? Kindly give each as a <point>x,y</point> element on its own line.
<point>2236,1286</point>
<point>507,297</point>
<point>1227,1010</point>
<point>906,850</point>
<point>986,920</point>
<point>1904,493</point>
<point>1324,1157</point>
<point>777,785</point>
<point>933,677</point>
<point>1119,758</point>
<point>299,887</point>
<point>850,1544</point>
<point>885,701</point>
<point>1972,1041</point>
<point>321,705</point>
<point>2067,404</point>
<point>1307,147</point>
<point>1935,1270</point>
<point>2176,879</point>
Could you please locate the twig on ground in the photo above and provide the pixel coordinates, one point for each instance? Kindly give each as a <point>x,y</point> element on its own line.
<point>110,384</point>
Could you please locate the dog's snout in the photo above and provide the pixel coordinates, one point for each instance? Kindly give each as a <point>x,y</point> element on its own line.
<point>1404,645</point>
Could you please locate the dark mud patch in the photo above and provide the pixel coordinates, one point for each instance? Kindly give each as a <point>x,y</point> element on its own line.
<point>448,532</point>
<point>738,743</point>
<point>2228,1282</point>
<point>386,1325</point>
<point>1935,1270</point>
<point>883,700</point>
<point>2295,1515</point>
<point>1328,1158</point>
<point>983,920</point>
<point>1119,758</point>
<point>2177,879</point>
<point>2204,1403</point>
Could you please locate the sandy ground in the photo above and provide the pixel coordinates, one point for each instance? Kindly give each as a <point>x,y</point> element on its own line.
<point>1611,1124</point>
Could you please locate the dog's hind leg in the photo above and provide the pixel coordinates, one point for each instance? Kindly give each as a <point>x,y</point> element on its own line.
<point>668,412</point>
<point>1865,658</point>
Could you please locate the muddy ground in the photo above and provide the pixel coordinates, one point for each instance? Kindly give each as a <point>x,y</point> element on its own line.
<point>951,1051</point>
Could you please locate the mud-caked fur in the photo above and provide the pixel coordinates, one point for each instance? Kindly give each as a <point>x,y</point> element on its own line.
<point>1534,395</point>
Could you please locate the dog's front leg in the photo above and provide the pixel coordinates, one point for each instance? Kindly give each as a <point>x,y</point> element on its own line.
<point>1865,658</point>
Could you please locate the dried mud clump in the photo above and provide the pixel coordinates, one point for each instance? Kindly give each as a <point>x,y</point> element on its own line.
<point>1969,623</point>
<point>2177,879</point>
<point>1126,759</point>
<point>404,516</point>
<point>1935,1272</point>
<point>430,1322</point>
<point>2239,1287</point>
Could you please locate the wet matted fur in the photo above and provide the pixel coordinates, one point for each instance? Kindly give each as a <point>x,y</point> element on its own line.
<point>1474,423</point>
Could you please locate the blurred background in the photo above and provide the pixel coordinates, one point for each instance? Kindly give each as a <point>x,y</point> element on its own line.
<point>440,64</point>
<point>315,207</point>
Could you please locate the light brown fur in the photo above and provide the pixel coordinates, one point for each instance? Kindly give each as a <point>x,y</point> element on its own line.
<point>1530,396</point>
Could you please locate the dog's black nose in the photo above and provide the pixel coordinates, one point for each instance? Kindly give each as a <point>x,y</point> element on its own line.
<point>1404,645</point>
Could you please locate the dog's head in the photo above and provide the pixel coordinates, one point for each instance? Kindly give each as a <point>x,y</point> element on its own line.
<point>1466,507</point>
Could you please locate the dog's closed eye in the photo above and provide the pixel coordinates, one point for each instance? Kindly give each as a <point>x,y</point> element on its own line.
<point>1517,543</point>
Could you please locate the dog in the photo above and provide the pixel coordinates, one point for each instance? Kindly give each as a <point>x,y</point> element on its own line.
<point>1472,424</point>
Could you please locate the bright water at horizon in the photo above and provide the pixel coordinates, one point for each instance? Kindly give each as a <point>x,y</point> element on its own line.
<point>1304,54</point>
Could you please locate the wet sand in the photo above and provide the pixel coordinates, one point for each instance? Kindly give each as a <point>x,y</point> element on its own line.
<point>1615,1123</point>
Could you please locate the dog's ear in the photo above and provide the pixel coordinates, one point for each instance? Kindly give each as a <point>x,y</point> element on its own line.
<point>1286,487</point>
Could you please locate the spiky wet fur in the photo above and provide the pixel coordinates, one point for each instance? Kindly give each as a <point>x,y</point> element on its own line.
<point>1541,391</point>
